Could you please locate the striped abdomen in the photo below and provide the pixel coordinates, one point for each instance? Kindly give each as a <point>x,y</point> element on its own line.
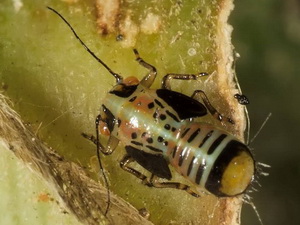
<point>212,159</point>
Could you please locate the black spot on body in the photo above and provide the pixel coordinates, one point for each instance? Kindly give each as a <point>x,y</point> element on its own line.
<point>193,135</point>
<point>153,149</point>
<point>174,151</point>
<point>137,143</point>
<point>190,166</point>
<point>149,140</point>
<point>162,116</point>
<point>132,99</point>
<point>172,116</point>
<point>160,139</point>
<point>216,143</point>
<point>200,172</point>
<point>133,135</point>
<point>167,127</point>
<point>159,103</point>
<point>206,138</point>
<point>150,105</point>
<point>185,132</point>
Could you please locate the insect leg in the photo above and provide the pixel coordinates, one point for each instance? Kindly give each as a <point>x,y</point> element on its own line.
<point>148,80</point>
<point>153,180</point>
<point>155,183</point>
<point>101,123</point>
<point>199,94</point>
<point>111,144</point>
<point>100,148</point>
<point>124,165</point>
<point>90,137</point>
<point>94,139</point>
<point>102,119</point>
<point>170,76</point>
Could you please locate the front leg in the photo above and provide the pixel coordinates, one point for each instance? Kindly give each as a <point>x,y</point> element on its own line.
<point>148,80</point>
<point>110,147</point>
<point>104,123</point>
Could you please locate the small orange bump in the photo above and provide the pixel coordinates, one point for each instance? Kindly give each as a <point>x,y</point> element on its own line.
<point>131,81</point>
<point>44,197</point>
<point>103,128</point>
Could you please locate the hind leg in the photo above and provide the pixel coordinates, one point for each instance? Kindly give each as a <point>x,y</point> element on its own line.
<point>155,183</point>
<point>199,94</point>
<point>171,76</point>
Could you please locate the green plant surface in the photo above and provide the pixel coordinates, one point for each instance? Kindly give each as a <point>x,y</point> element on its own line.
<point>25,197</point>
<point>57,87</point>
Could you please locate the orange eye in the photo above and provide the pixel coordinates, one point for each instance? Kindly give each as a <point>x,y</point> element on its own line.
<point>131,81</point>
<point>103,128</point>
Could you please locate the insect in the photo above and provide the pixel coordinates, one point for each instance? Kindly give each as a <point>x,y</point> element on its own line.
<point>242,99</point>
<point>157,129</point>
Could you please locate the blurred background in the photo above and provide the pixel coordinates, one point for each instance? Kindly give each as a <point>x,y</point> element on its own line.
<point>267,36</point>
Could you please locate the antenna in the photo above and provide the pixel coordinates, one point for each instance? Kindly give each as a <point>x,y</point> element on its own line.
<point>261,127</point>
<point>100,163</point>
<point>118,80</point>
<point>118,77</point>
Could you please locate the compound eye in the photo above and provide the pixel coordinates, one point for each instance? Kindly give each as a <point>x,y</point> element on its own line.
<point>103,128</point>
<point>131,81</point>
